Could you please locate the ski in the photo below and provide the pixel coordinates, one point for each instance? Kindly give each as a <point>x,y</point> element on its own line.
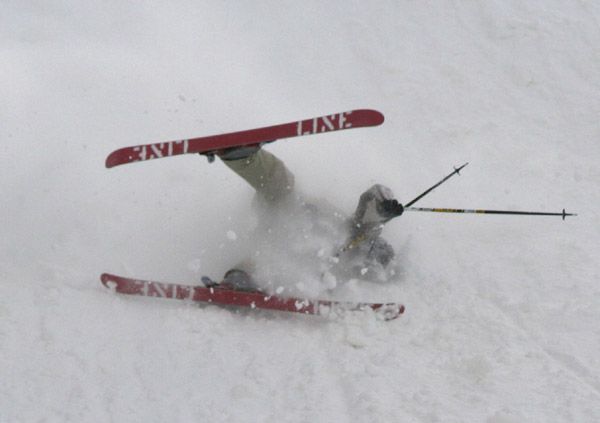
<point>250,299</point>
<point>209,144</point>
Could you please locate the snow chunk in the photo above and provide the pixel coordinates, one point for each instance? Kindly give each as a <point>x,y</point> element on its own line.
<point>300,304</point>
<point>329,280</point>
<point>231,235</point>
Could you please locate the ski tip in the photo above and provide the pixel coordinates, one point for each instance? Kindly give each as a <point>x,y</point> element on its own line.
<point>111,160</point>
<point>378,117</point>
<point>399,310</point>
<point>119,157</point>
<point>105,278</point>
<point>390,311</point>
<point>368,117</point>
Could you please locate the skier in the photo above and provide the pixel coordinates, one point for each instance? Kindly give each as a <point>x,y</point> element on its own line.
<point>286,216</point>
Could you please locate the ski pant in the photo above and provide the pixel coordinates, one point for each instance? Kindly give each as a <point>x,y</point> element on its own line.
<point>265,173</point>
<point>273,182</point>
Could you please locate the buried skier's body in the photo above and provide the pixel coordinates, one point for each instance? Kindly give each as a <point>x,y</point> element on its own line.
<point>294,235</point>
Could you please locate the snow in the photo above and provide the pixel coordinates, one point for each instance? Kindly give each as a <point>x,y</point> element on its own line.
<point>501,321</point>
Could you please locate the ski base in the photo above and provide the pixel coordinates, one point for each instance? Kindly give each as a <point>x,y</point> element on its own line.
<point>253,300</point>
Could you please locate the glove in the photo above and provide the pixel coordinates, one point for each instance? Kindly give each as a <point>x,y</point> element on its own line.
<point>391,208</point>
<point>375,207</point>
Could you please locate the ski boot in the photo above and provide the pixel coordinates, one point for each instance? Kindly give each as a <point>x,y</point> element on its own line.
<point>239,280</point>
<point>234,279</point>
<point>233,153</point>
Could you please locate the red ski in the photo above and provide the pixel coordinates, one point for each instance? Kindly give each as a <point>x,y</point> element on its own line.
<point>335,122</point>
<point>229,297</point>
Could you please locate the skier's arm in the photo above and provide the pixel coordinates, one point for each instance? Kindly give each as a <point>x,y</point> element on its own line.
<point>376,206</point>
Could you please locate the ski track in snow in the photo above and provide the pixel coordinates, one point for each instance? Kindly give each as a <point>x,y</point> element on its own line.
<point>501,322</point>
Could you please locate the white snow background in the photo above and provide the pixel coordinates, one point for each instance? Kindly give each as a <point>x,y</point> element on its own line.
<point>502,313</point>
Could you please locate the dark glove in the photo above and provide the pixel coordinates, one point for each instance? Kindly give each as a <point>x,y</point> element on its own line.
<point>392,208</point>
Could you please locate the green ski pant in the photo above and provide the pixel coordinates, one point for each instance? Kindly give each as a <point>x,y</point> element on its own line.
<point>265,173</point>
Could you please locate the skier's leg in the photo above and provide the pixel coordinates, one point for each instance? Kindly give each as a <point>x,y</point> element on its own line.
<point>265,173</point>
<point>272,181</point>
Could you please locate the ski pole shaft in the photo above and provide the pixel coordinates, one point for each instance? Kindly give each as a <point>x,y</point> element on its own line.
<point>480,211</point>
<point>456,172</point>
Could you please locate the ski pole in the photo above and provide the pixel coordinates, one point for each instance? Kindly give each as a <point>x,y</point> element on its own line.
<point>479,211</point>
<point>456,172</point>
